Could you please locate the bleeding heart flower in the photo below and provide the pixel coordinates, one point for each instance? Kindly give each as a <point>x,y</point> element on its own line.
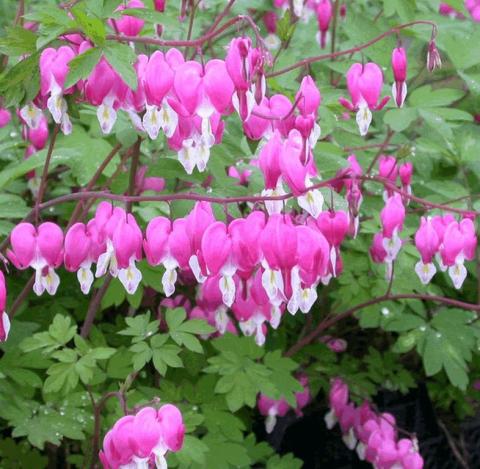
<point>4,319</point>
<point>40,248</point>
<point>364,83</point>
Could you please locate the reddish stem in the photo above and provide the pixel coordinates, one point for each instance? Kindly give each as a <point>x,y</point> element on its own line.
<point>317,58</point>
<point>329,322</point>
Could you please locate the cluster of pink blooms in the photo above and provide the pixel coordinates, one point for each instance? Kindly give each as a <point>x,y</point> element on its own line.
<point>258,266</point>
<point>254,265</point>
<point>186,99</point>
<point>450,242</point>
<point>365,84</point>
<point>271,408</point>
<point>387,244</point>
<point>141,441</point>
<point>473,7</point>
<point>374,436</point>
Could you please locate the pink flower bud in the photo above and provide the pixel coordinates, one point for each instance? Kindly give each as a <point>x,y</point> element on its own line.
<point>159,5</point>
<point>399,67</point>
<point>270,21</point>
<point>309,97</point>
<point>5,117</point>
<point>433,57</point>
<point>392,216</point>
<point>377,251</point>
<point>399,64</point>
<point>269,160</point>
<point>387,168</point>
<point>406,171</point>
<point>4,319</point>
<point>126,24</point>
<point>324,16</point>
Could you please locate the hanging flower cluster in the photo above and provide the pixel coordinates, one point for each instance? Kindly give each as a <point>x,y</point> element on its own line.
<point>257,266</point>
<point>472,6</point>
<point>143,440</point>
<point>187,99</point>
<point>184,98</point>
<point>387,244</point>
<point>448,241</point>
<point>374,436</point>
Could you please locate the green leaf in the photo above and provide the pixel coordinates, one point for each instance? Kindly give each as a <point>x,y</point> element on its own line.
<point>403,322</point>
<point>193,450</point>
<point>140,327</point>
<point>170,356</point>
<point>432,354</point>
<point>425,96</point>
<point>189,340</point>
<point>456,370</point>
<point>19,454</point>
<point>287,461</point>
<point>146,14</point>
<point>196,326</point>
<point>400,119</point>
<point>102,353</point>
<point>175,317</point>
<point>285,28</point>
<point>22,77</point>
<point>142,354</point>
<point>404,8</point>
<point>159,363</point>
<point>62,329</point>
<point>12,206</point>
<point>82,65</point>
<point>121,57</point>
<point>18,41</point>
<point>62,377</point>
<point>92,26</point>
<point>453,42</point>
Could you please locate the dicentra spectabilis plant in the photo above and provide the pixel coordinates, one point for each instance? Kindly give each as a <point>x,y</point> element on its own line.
<point>224,249</point>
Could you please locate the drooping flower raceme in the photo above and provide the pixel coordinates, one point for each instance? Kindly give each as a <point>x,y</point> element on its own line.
<point>459,244</point>
<point>245,66</point>
<point>373,435</point>
<point>142,440</point>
